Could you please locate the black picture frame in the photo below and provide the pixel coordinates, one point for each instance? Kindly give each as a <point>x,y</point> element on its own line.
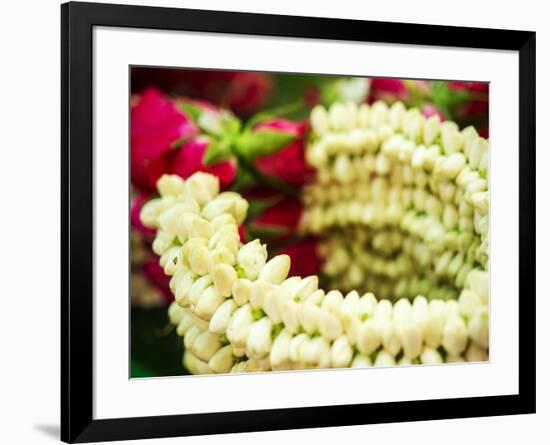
<point>77,209</point>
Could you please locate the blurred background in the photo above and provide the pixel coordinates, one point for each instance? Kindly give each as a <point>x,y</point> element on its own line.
<point>184,121</point>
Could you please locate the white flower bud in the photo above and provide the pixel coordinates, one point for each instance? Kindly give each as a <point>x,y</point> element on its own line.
<point>289,310</point>
<point>452,141</point>
<point>343,171</point>
<point>190,336</point>
<point>208,303</point>
<point>309,316</point>
<point>396,115</point>
<point>431,129</point>
<point>258,344</point>
<point>198,260</point>
<point>279,354</point>
<point>306,287</point>
<point>379,114</point>
<point>182,290</point>
<point>150,212</point>
<point>410,335</point>
<point>330,325</point>
<point>430,356</point>
<point>222,360</point>
<point>402,311</point>
<point>205,345</point>
<point>252,258</point>
<point>478,281</point>
<point>224,277</point>
<point>366,306</point>
<point>175,313</point>
<point>185,324</point>
<point>332,301</point>
<point>311,352</point>
<point>339,116</point>
<point>216,208</point>
<point>390,338</point>
<point>220,255</point>
<point>271,303</point>
<point>223,220</point>
<point>169,260</point>
<point>276,270</point>
<point>363,116</point>
<point>198,287</point>
<point>479,327</point>
<point>239,207</point>
<point>194,365</point>
<point>294,347</point>
<point>468,302</point>
<point>470,137</point>
<point>383,311</point>
<point>341,352</point>
<point>241,291</point>
<point>476,152</point>
<point>319,120</point>
<point>162,242</point>
<point>433,329</point>
<point>220,319</point>
<point>258,293</point>
<point>361,361</point>
<point>455,335</point>
<point>384,358</point>
<point>239,326</point>
<point>202,187</point>
<point>170,185</point>
<point>404,361</point>
<point>480,201</point>
<point>369,339</point>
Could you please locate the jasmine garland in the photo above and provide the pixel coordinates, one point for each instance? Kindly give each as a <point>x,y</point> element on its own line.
<point>239,312</point>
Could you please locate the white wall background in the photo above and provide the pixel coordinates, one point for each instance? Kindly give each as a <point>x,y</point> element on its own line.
<point>29,219</point>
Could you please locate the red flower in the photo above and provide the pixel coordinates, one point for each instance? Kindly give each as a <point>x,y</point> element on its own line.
<point>388,89</point>
<point>304,257</point>
<point>157,278</point>
<point>284,214</point>
<point>480,87</point>
<point>189,159</point>
<point>241,91</point>
<point>288,164</point>
<point>248,92</point>
<point>135,210</point>
<point>156,124</point>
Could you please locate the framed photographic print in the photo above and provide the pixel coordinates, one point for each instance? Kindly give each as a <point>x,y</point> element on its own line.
<point>276,222</point>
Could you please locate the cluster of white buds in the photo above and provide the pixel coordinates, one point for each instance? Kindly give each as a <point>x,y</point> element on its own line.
<point>239,312</point>
<point>415,187</point>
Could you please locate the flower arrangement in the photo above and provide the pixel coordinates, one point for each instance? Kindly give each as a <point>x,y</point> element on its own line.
<point>374,193</point>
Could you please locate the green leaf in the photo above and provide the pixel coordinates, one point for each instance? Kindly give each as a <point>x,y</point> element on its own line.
<point>266,115</point>
<point>216,151</point>
<point>191,110</point>
<point>262,142</point>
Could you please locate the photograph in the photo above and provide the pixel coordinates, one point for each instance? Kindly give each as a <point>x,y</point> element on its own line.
<point>297,221</point>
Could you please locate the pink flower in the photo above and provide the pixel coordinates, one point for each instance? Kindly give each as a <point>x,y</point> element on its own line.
<point>190,159</point>
<point>388,89</point>
<point>156,124</point>
<point>135,210</point>
<point>430,110</point>
<point>304,257</point>
<point>288,163</point>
